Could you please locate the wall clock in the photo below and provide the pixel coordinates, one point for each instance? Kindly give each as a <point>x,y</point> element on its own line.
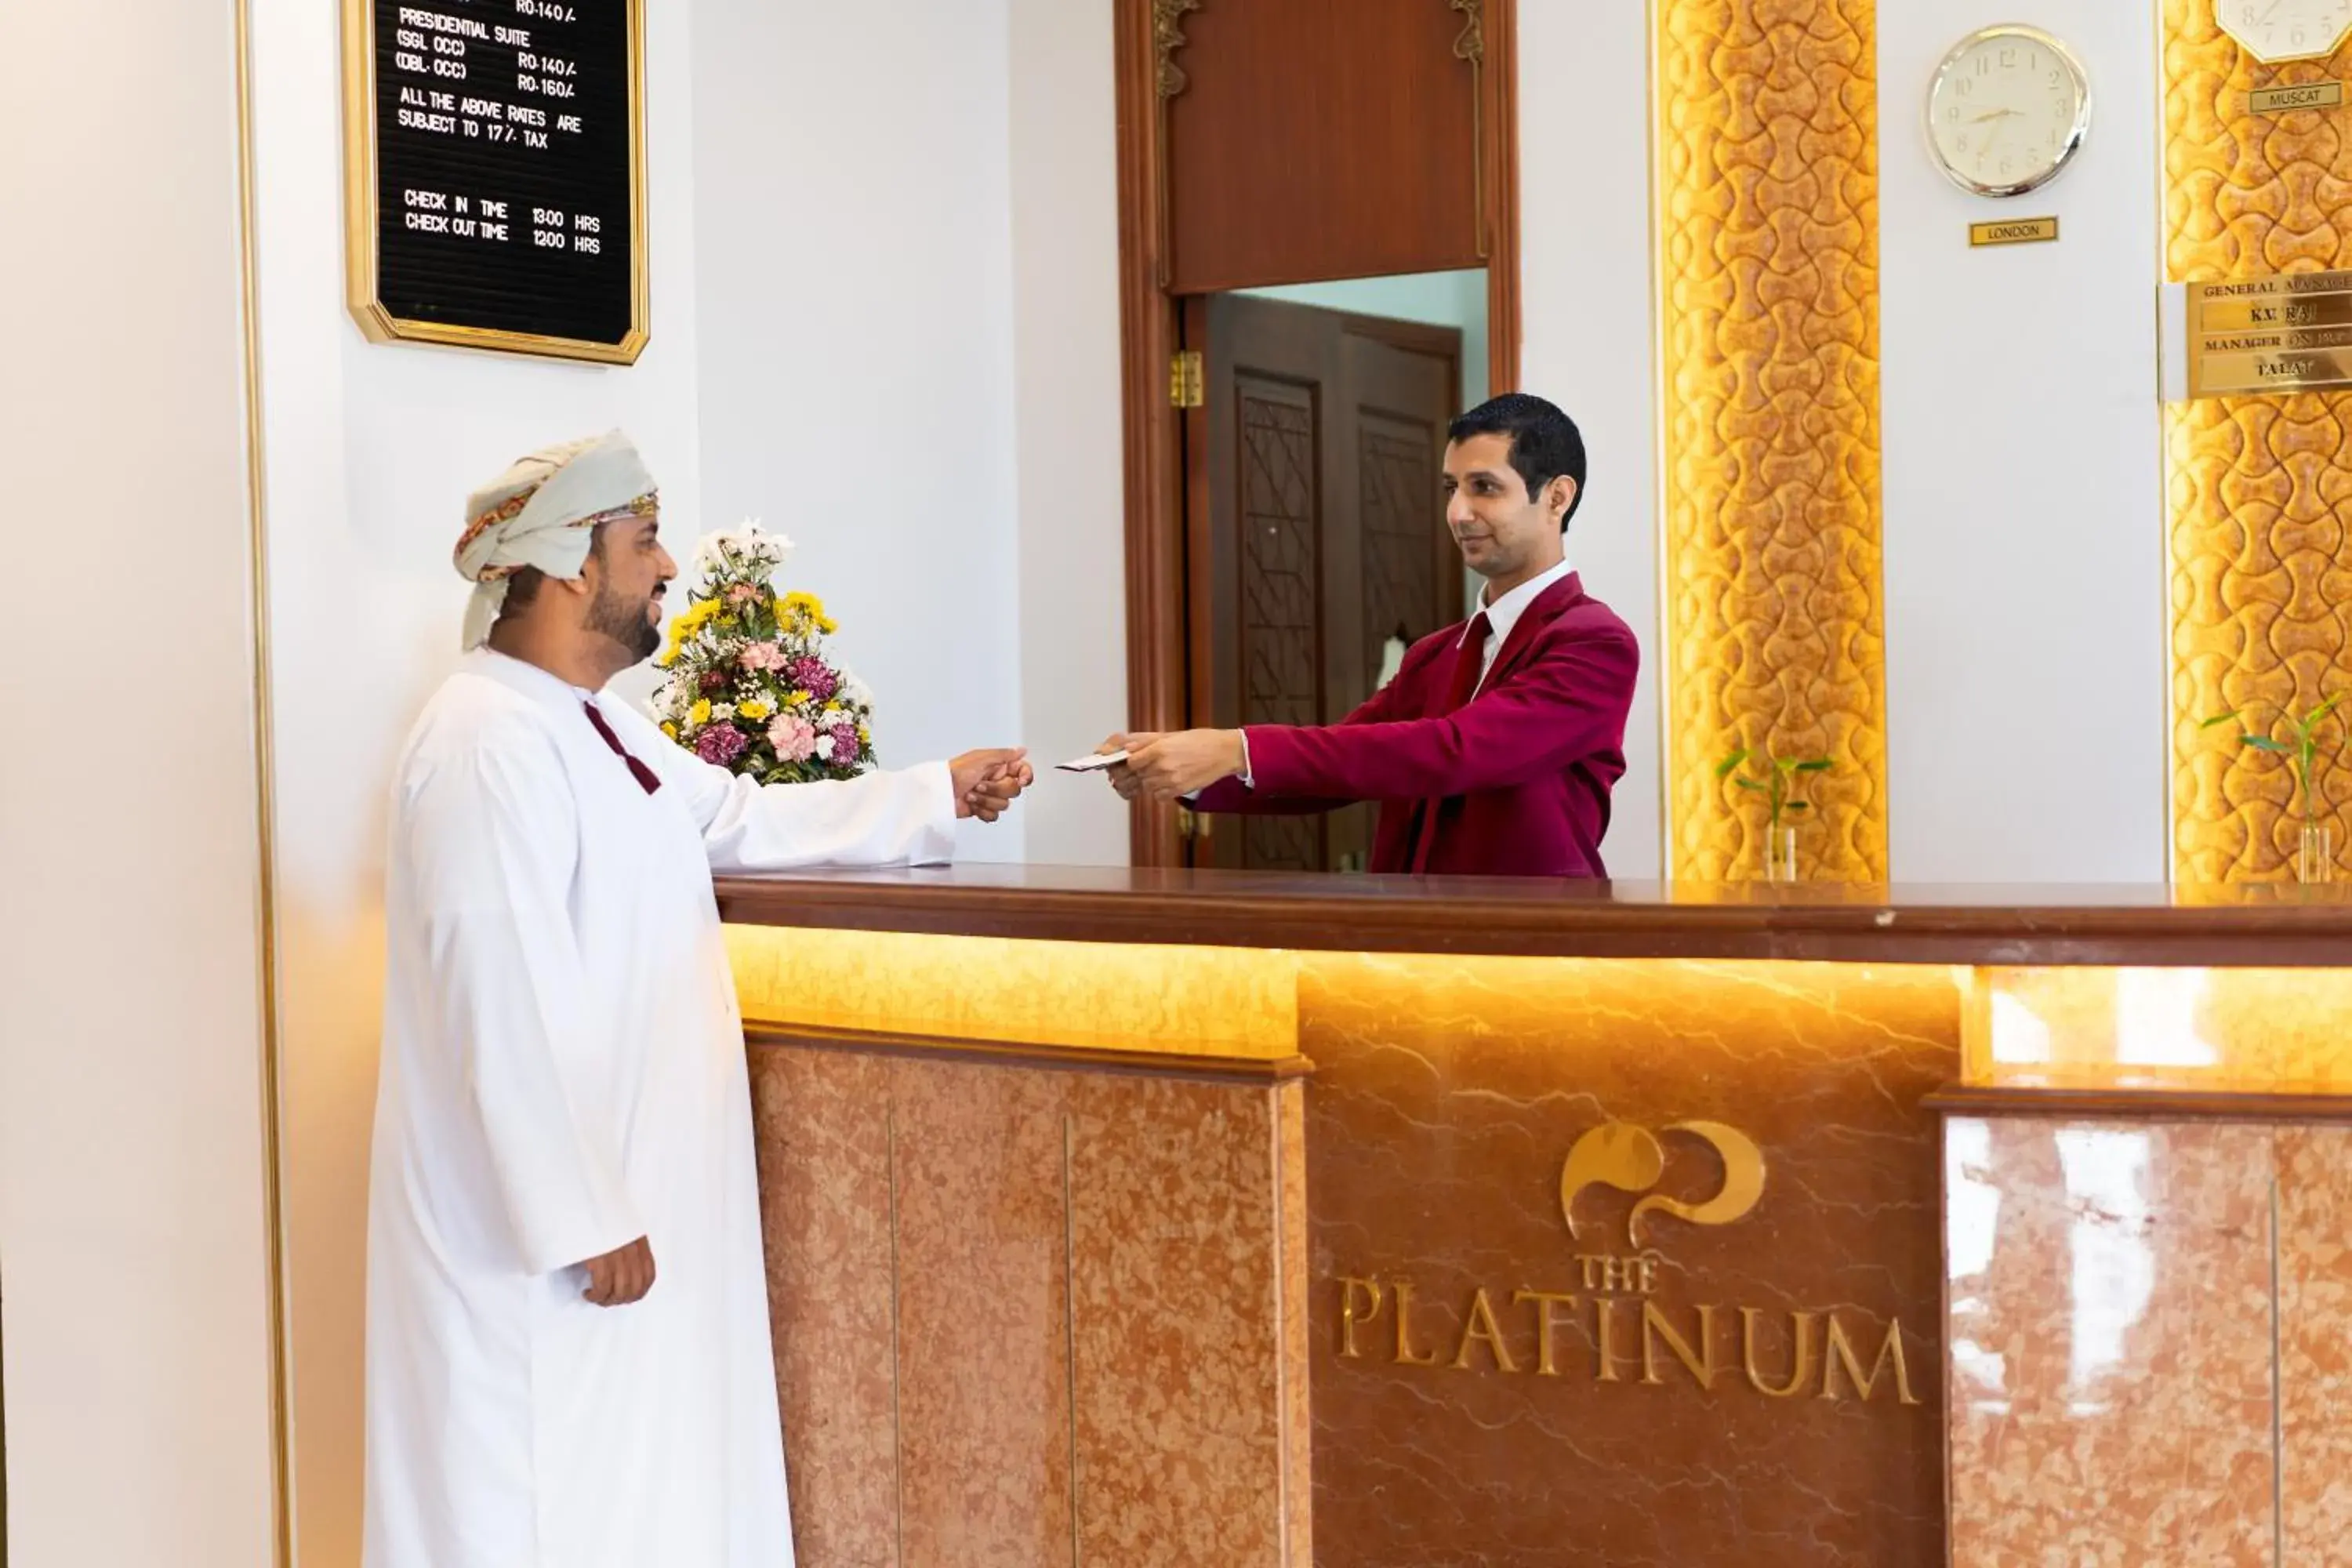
<point>2009,108</point>
<point>2275,30</point>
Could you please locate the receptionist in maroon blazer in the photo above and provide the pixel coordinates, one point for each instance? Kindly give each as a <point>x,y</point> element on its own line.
<point>1493,748</point>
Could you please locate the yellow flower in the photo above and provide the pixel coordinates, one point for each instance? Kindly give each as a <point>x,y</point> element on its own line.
<point>827,625</point>
<point>864,736</point>
<point>831,709</point>
<point>682,627</point>
<point>701,713</point>
<point>755,710</point>
<point>808,602</point>
<point>669,728</point>
<point>798,699</point>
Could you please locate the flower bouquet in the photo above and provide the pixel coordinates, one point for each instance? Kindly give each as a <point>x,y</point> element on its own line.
<point>750,686</point>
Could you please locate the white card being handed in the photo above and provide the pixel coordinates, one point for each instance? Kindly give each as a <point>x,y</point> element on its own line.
<point>1093,765</point>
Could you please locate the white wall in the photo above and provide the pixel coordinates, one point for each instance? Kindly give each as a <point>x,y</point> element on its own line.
<point>2024,544</point>
<point>854,262</point>
<point>132,1241</point>
<point>1589,315</point>
<point>1068,442</point>
<point>372,450</point>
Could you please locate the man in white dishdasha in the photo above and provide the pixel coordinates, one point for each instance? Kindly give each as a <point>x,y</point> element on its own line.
<point>567,1357</point>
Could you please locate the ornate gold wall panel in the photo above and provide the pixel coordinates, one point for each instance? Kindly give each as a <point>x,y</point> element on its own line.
<point>2260,488</point>
<point>1768,259</point>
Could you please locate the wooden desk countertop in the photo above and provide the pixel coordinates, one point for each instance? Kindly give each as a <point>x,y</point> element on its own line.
<point>2243,925</point>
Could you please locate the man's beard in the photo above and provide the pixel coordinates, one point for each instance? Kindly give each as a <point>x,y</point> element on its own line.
<point>627,625</point>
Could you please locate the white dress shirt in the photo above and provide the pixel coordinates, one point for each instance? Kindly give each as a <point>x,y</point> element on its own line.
<point>1505,613</point>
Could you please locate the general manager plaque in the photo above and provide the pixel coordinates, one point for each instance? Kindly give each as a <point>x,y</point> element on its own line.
<point>2289,334</point>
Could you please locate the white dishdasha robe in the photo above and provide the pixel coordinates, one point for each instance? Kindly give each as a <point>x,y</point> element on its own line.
<point>563,1072</point>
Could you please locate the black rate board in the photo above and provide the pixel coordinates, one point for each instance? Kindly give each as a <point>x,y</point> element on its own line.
<point>505,179</point>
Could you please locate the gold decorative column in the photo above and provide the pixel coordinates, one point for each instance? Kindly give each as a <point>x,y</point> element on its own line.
<point>1767,262</point>
<point>2259,488</point>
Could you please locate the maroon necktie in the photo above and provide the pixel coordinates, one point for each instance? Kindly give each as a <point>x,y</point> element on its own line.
<point>637,770</point>
<point>1469,664</point>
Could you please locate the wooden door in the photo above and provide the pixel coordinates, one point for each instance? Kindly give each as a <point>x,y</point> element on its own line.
<point>1316,532</point>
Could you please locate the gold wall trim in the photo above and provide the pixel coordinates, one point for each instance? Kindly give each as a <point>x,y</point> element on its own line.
<point>1471,46</point>
<point>1168,79</point>
<point>273,1200</point>
<point>379,325</point>
<point>2258,489</point>
<point>1167,38</point>
<point>1771,600</point>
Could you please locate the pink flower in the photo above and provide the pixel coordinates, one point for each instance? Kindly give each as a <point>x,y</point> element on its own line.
<point>814,677</point>
<point>845,743</point>
<point>740,593</point>
<point>761,655</point>
<point>793,737</point>
<point>721,744</point>
<point>714,681</point>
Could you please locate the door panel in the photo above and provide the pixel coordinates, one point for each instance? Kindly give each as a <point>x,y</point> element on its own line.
<point>1278,618</point>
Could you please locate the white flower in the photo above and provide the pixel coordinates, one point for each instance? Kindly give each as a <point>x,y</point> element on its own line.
<point>721,712</point>
<point>824,748</point>
<point>746,555</point>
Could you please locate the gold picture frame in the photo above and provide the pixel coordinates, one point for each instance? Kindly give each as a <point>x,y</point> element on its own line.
<point>361,258</point>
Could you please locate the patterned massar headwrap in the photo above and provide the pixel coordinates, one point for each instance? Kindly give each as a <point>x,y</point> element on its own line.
<point>543,512</point>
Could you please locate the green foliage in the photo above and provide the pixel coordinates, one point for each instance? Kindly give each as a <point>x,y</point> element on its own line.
<point>2301,747</point>
<point>1776,779</point>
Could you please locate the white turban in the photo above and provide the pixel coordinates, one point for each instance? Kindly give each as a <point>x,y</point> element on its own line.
<point>543,512</point>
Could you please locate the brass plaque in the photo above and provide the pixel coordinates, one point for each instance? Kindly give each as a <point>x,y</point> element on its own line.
<point>2013,231</point>
<point>2303,95</point>
<point>2270,334</point>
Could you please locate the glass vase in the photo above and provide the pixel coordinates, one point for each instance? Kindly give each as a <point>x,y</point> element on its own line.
<point>1781,854</point>
<point>2315,853</point>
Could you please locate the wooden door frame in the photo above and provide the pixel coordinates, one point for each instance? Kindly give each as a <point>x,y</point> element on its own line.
<point>1149,38</point>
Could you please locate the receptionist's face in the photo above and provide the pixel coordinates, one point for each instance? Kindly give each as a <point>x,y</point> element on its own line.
<point>1499,528</point>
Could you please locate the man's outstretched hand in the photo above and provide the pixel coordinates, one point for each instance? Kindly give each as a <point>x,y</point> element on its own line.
<point>1173,765</point>
<point>988,781</point>
<point>622,1275</point>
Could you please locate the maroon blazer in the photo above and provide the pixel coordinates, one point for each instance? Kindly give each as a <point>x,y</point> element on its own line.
<point>1515,783</point>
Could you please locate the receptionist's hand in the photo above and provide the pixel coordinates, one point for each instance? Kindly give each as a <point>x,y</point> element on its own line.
<point>1128,786</point>
<point>1167,767</point>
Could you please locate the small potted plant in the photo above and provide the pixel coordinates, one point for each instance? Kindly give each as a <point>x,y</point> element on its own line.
<point>1777,781</point>
<point>2315,859</point>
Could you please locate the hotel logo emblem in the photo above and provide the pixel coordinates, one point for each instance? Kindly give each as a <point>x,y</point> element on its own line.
<point>1633,1160</point>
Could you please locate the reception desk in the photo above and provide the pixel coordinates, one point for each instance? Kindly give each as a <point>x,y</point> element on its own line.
<point>1187,1219</point>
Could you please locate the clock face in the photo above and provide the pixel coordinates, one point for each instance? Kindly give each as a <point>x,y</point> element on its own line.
<point>2009,106</point>
<point>2274,30</point>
